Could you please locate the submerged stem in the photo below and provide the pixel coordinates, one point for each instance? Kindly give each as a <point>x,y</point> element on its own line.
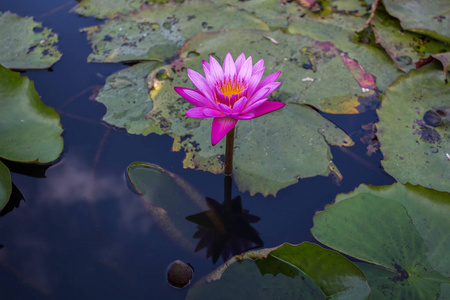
<point>229,152</point>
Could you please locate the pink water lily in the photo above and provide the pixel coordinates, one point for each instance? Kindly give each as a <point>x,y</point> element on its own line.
<point>230,93</point>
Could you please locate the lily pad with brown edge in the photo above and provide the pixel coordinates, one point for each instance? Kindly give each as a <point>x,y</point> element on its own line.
<point>304,271</point>
<point>25,44</point>
<point>339,29</point>
<point>166,115</point>
<point>312,72</point>
<point>404,47</point>
<point>125,95</point>
<point>156,32</point>
<point>414,129</point>
<point>422,16</point>
<point>30,131</point>
<point>276,150</point>
<point>5,185</point>
<point>443,58</point>
<point>400,230</point>
<point>102,9</point>
<point>169,199</point>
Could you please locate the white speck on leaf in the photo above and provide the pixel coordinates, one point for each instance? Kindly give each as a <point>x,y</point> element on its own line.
<point>271,39</point>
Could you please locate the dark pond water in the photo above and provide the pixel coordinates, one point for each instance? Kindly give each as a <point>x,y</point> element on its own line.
<point>81,233</point>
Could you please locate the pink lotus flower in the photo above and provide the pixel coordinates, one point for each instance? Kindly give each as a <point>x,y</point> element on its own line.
<point>230,93</point>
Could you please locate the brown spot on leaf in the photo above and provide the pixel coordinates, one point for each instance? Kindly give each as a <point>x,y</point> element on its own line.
<point>430,135</point>
<point>403,275</point>
<point>364,78</point>
<point>306,3</point>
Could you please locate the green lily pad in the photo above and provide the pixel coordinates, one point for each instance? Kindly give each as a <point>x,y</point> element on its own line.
<point>401,229</point>
<point>25,44</point>
<point>274,167</point>
<point>158,31</point>
<point>339,29</point>
<point>405,48</point>
<point>350,7</point>
<point>304,271</point>
<point>102,9</point>
<point>29,130</point>
<point>125,95</point>
<point>271,12</point>
<point>169,199</point>
<point>414,129</point>
<point>274,151</point>
<point>425,17</point>
<point>5,185</point>
<point>308,67</point>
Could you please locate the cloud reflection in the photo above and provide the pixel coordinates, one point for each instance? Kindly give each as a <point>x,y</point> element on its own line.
<point>73,181</point>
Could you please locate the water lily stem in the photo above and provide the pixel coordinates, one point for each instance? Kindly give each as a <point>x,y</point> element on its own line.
<point>229,152</point>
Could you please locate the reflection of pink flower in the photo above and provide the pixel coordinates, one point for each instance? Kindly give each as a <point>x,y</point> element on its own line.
<point>234,92</point>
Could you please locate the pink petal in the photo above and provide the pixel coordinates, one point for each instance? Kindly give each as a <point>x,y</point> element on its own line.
<point>267,107</point>
<point>239,62</point>
<point>194,97</point>
<point>272,87</point>
<point>205,65</point>
<point>196,112</point>
<point>258,66</point>
<point>262,93</point>
<point>254,105</point>
<point>258,95</point>
<point>212,113</point>
<point>225,109</point>
<point>239,105</point>
<point>269,79</point>
<point>254,81</point>
<point>246,70</point>
<point>229,69</point>
<point>220,128</point>
<point>210,80</point>
<point>246,116</point>
<point>216,69</point>
<point>200,83</point>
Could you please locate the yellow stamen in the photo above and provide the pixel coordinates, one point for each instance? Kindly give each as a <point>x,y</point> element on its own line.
<point>230,87</point>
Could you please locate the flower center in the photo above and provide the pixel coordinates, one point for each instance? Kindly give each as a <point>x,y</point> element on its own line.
<point>230,87</point>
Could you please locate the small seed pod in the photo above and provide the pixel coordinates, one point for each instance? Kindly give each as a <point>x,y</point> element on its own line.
<point>179,274</point>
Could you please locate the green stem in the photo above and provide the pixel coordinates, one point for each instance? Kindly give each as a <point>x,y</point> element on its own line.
<point>229,152</point>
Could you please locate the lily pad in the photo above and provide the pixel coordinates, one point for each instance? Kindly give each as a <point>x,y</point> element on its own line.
<point>5,185</point>
<point>339,29</point>
<point>405,48</point>
<point>444,58</point>
<point>125,95</point>
<point>169,199</point>
<point>158,31</point>
<point>274,151</point>
<point>308,67</point>
<point>414,129</point>
<point>25,44</point>
<point>29,130</point>
<point>350,7</point>
<point>166,115</point>
<point>102,9</point>
<point>271,12</point>
<point>304,271</point>
<point>401,230</point>
<point>425,17</point>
